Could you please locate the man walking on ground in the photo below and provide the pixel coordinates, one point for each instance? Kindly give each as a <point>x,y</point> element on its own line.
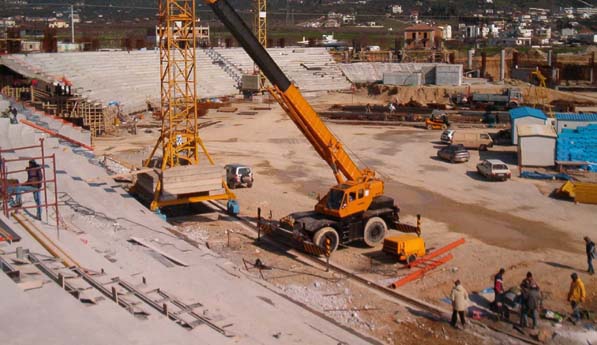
<point>459,298</point>
<point>533,304</point>
<point>34,178</point>
<point>525,287</point>
<point>576,296</point>
<point>590,249</point>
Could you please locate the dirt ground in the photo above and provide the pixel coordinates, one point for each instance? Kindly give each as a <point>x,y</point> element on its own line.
<point>513,224</point>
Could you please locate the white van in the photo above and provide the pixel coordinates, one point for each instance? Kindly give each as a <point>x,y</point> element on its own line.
<point>473,140</point>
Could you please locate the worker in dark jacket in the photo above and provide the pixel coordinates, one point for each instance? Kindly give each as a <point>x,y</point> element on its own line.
<point>498,285</point>
<point>533,305</point>
<point>34,179</point>
<point>525,287</point>
<point>590,249</point>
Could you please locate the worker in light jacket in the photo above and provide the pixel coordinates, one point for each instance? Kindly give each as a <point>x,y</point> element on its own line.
<point>460,301</point>
<point>576,296</point>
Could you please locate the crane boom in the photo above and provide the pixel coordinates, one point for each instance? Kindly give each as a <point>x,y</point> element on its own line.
<point>291,100</point>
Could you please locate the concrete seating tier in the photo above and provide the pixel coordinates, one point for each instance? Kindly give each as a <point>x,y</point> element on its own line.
<point>132,78</point>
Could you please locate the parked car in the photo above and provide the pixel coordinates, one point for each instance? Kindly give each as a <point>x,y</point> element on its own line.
<point>494,169</point>
<point>447,135</point>
<point>454,153</point>
<point>472,140</point>
<point>238,175</point>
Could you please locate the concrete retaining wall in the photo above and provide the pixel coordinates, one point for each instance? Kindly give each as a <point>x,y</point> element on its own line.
<point>371,72</point>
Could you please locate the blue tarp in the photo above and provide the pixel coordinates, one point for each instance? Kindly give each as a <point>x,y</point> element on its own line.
<point>578,144</point>
<point>541,176</point>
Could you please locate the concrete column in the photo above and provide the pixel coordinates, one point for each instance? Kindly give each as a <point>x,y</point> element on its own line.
<point>549,57</point>
<point>469,61</point>
<point>502,65</point>
<point>483,64</point>
<point>594,69</point>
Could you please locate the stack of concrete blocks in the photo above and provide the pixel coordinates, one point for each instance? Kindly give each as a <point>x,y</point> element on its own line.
<point>403,73</point>
<point>448,75</point>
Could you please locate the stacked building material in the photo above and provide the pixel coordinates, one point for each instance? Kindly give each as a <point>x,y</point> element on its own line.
<point>579,145</point>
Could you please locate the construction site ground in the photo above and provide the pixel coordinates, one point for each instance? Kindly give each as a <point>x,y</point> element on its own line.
<point>515,224</point>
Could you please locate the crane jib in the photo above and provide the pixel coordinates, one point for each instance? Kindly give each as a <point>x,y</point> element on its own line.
<point>249,42</point>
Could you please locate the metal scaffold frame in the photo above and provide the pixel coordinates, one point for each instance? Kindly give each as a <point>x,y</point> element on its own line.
<point>261,32</point>
<point>179,139</point>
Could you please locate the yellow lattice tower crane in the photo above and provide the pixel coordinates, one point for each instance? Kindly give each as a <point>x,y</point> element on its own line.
<point>185,173</point>
<point>541,92</point>
<point>261,32</point>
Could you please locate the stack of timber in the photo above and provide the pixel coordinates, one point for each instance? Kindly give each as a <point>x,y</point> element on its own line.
<point>196,180</point>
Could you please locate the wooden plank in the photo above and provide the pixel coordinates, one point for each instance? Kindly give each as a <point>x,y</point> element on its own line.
<point>193,183</point>
<point>201,177</point>
<point>227,109</point>
<point>190,170</point>
<point>159,251</point>
<point>192,190</point>
<point>217,192</point>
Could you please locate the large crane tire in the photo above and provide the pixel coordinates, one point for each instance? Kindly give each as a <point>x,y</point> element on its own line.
<point>375,231</point>
<point>327,232</point>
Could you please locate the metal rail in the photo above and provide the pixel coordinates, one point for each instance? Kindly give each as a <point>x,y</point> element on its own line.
<point>369,284</point>
<point>164,310</point>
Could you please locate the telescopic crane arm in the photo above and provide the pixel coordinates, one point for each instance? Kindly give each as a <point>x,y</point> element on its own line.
<point>291,100</point>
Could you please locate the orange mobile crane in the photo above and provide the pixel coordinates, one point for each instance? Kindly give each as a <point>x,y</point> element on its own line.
<point>354,209</point>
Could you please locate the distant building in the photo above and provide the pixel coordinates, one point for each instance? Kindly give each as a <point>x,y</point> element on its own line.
<point>568,32</point>
<point>396,9</point>
<point>59,24</point>
<point>422,36</point>
<point>30,46</point>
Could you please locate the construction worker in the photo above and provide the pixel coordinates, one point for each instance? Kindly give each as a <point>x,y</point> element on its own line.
<point>533,305</point>
<point>34,179</point>
<point>498,289</point>
<point>459,298</point>
<point>498,285</point>
<point>525,287</point>
<point>590,249</point>
<point>576,296</point>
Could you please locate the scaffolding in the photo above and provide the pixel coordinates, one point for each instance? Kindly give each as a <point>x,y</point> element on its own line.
<point>12,190</point>
<point>180,142</point>
<point>261,32</point>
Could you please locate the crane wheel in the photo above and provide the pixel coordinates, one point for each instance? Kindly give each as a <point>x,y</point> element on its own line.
<point>327,232</point>
<point>375,231</point>
<point>429,127</point>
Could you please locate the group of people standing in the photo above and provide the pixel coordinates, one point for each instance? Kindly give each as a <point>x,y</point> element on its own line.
<point>531,297</point>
